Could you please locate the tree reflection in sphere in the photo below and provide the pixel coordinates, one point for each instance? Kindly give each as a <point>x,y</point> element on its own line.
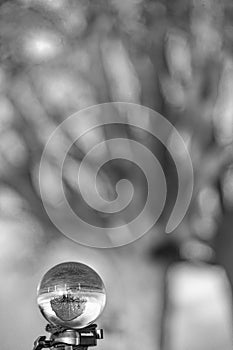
<point>71,295</point>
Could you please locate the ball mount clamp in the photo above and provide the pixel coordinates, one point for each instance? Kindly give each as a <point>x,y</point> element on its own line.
<point>69,339</point>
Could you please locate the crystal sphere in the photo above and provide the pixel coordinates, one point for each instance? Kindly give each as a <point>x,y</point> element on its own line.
<point>71,295</point>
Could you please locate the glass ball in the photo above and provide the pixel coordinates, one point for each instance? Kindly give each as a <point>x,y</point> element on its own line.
<point>71,295</point>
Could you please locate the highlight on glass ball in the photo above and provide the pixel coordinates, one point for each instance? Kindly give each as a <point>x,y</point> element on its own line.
<point>71,295</point>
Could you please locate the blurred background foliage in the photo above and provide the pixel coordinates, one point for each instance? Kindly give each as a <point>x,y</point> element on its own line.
<point>60,56</point>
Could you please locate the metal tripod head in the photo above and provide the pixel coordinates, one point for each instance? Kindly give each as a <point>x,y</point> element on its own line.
<point>69,339</point>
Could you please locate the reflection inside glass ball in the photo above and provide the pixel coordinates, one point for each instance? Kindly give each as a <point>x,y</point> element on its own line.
<point>71,295</point>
